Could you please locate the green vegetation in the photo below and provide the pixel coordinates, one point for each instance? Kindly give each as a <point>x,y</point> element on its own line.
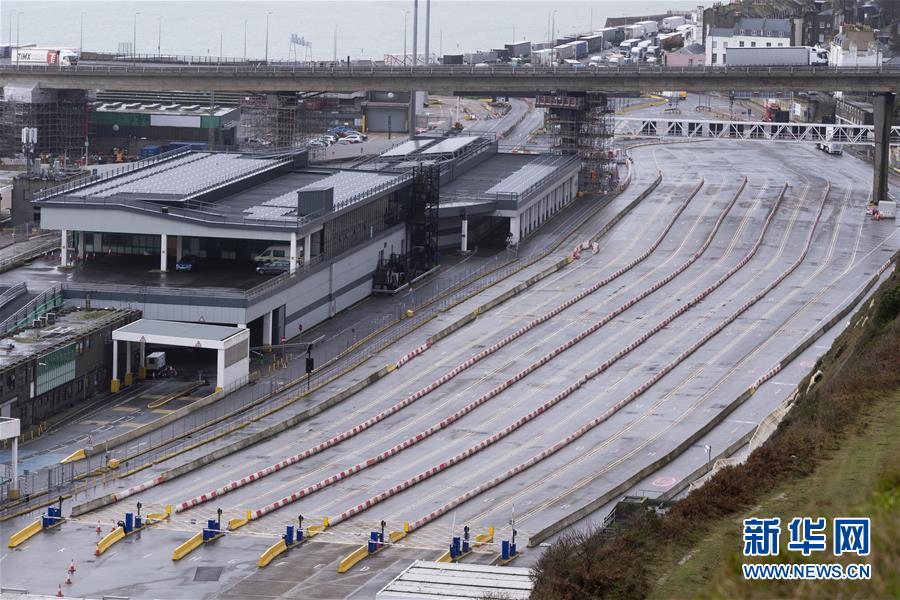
<point>835,454</point>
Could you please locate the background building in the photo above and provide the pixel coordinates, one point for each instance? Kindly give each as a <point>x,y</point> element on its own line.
<point>746,33</point>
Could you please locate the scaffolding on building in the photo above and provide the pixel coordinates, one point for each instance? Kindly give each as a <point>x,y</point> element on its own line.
<point>583,123</point>
<point>280,121</point>
<point>63,118</point>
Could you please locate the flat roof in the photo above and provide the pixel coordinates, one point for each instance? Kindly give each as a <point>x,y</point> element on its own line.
<point>178,329</point>
<point>350,186</point>
<point>164,108</point>
<point>409,147</point>
<point>482,177</point>
<point>436,580</point>
<point>67,327</point>
<point>178,178</point>
<point>528,175</point>
<point>450,145</point>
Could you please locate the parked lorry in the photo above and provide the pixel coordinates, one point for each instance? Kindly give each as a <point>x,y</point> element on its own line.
<point>799,56</point>
<point>45,56</point>
<point>650,27</point>
<point>542,58</point>
<point>564,51</point>
<point>673,23</point>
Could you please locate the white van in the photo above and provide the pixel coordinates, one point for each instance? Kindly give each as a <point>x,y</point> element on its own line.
<point>274,253</point>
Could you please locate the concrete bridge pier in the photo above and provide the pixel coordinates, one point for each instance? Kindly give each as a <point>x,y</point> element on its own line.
<point>883,104</point>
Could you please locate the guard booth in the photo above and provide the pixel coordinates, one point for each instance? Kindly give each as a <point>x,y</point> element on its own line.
<point>231,344</point>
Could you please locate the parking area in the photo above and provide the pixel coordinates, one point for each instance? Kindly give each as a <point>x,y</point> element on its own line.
<point>137,270</point>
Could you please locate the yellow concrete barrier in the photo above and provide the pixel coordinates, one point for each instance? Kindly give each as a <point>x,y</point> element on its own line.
<point>111,538</point>
<point>77,455</point>
<point>188,547</point>
<point>271,552</point>
<point>237,523</point>
<point>314,530</point>
<point>484,538</point>
<point>23,534</point>
<point>396,536</point>
<point>445,557</point>
<point>351,559</point>
<point>113,463</point>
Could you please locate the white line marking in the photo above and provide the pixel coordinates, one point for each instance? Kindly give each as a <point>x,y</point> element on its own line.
<point>148,555</point>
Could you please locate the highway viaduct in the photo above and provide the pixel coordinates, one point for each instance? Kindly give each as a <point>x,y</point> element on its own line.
<point>882,83</point>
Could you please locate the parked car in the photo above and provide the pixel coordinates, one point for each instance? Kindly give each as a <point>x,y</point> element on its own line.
<point>186,263</point>
<point>354,138</point>
<point>275,267</point>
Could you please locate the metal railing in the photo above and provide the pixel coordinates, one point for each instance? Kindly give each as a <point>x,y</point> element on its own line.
<point>109,174</point>
<point>461,71</point>
<point>12,293</point>
<point>42,303</point>
<point>19,257</point>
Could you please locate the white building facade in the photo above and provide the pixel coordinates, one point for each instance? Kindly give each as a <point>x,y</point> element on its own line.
<point>747,33</point>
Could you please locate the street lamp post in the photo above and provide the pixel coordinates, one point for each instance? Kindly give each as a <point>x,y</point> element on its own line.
<point>18,15</point>
<point>708,457</point>
<point>405,24</point>
<point>81,35</point>
<point>245,40</point>
<point>553,26</point>
<point>134,39</point>
<point>267,37</point>
<point>159,37</point>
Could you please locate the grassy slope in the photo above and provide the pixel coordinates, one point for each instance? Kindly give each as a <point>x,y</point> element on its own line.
<point>837,450</point>
<point>861,478</point>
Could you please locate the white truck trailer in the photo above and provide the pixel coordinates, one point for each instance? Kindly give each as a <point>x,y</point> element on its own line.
<point>45,56</point>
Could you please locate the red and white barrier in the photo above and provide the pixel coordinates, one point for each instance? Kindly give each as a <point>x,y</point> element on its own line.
<point>522,374</point>
<point>578,384</point>
<point>446,377</point>
<point>140,488</point>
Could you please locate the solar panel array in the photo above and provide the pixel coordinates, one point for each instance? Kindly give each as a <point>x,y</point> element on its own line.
<point>450,145</point>
<point>100,189</point>
<point>192,177</point>
<point>528,175</point>
<point>178,177</point>
<point>349,186</point>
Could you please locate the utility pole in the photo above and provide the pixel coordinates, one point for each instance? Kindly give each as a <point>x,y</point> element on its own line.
<point>245,40</point>
<point>80,36</point>
<point>159,38</point>
<point>134,38</point>
<point>405,21</point>
<point>267,36</point>
<point>427,31</point>
<point>335,44</point>
<point>415,40</point>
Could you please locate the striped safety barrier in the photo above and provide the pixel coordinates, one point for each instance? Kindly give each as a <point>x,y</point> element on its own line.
<point>580,382</point>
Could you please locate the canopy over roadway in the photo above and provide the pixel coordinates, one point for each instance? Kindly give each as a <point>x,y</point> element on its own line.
<point>232,346</point>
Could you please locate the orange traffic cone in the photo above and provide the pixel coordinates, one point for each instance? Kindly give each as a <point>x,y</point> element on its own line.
<point>68,580</point>
<point>98,527</point>
<point>59,593</point>
<point>72,567</point>
<point>114,526</point>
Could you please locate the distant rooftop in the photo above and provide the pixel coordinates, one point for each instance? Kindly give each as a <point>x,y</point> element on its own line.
<point>409,147</point>
<point>449,145</point>
<point>747,26</point>
<point>164,108</point>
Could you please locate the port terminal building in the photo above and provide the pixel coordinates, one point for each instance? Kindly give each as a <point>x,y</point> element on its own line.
<point>125,231</point>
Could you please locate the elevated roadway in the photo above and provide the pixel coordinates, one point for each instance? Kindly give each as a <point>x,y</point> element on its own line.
<point>499,80</point>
